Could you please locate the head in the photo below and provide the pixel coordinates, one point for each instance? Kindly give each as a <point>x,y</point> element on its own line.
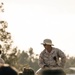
<point>28,71</point>
<point>47,43</point>
<point>20,73</point>
<point>53,72</point>
<point>7,70</point>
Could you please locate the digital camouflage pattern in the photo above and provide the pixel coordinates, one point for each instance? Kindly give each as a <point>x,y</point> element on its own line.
<point>52,59</point>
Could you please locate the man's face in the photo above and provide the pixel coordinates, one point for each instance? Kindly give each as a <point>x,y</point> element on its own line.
<point>47,46</point>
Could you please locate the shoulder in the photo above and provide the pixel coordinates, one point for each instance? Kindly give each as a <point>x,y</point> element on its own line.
<point>8,70</point>
<point>56,49</point>
<point>60,52</point>
<point>42,52</point>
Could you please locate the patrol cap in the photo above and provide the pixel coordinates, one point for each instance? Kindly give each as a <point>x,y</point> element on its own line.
<point>47,42</point>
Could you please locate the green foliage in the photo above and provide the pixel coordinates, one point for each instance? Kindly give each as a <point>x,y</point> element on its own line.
<point>23,58</point>
<point>6,41</point>
<point>9,53</point>
<point>1,7</point>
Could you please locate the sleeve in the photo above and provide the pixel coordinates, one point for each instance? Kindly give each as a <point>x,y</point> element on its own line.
<point>63,58</point>
<point>41,61</point>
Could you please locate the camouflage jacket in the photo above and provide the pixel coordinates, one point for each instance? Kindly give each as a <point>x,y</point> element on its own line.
<point>52,59</point>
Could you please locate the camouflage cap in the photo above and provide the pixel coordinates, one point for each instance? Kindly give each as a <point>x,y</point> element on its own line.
<point>48,42</point>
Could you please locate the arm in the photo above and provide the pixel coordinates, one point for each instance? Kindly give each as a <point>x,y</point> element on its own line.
<point>63,58</point>
<point>41,61</point>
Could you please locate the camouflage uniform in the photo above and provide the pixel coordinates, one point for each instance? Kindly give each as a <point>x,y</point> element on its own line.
<point>52,59</point>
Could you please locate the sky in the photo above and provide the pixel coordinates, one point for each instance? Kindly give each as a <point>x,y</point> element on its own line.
<point>32,21</point>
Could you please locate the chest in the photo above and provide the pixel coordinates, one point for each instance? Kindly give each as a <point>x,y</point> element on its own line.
<point>50,56</point>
